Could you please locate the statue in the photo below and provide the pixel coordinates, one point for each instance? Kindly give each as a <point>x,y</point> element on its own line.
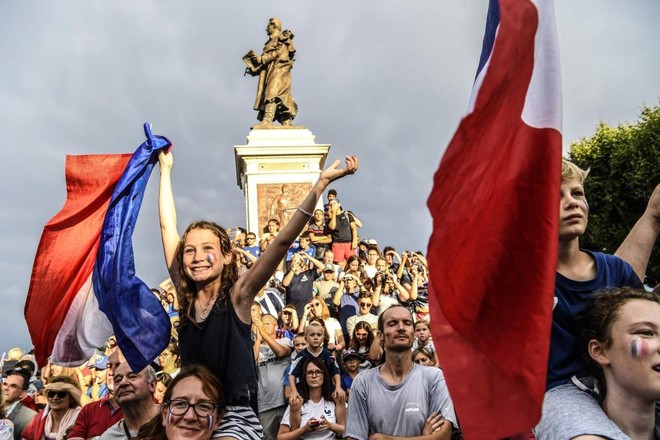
<point>274,101</point>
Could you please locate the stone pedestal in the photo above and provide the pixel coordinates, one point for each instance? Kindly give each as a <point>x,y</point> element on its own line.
<point>276,170</point>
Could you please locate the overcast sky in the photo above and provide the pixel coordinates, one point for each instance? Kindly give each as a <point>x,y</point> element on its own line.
<point>386,80</point>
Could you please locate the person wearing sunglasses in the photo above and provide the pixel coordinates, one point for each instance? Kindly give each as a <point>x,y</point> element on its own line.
<point>317,308</point>
<point>60,413</point>
<point>192,409</point>
<point>365,303</point>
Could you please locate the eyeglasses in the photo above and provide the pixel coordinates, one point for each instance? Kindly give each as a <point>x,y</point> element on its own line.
<point>314,373</point>
<point>179,407</point>
<point>53,394</point>
<point>250,238</point>
<point>365,304</point>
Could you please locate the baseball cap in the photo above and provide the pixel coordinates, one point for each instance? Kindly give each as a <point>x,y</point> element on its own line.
<point>328,268</point>
<point>99,362</point>
<point>351,354</point>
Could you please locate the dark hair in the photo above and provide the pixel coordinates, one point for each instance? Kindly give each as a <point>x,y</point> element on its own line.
<point>164,378</point>
<point>154,429</point>
<point>326,389</point>
<point>596,322</point>
<point>186,288</point>
<point>353,344</point>
<point>27,365</point>
<point>173,347</point>
<point>25,374</point>
<point>387,249</point>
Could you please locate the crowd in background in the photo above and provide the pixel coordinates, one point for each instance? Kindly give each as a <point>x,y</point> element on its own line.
<point>315,327</point>
<point>339,299</point>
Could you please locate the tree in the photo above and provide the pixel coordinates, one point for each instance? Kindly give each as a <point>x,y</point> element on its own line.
<point>625,168</point>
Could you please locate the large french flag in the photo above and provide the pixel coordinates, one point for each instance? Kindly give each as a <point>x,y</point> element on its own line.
<point>83,286</point>
<point>495,206</point>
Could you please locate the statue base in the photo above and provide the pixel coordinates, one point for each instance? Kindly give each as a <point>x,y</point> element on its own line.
<point>276,170</point>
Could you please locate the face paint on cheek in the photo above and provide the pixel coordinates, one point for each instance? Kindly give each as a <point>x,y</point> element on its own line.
<point>639,347</point>
<point>209,420</point>
<point>169,418</point>
<point>211,258</point>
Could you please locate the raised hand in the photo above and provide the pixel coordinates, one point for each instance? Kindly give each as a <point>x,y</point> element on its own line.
<point>333,172</point>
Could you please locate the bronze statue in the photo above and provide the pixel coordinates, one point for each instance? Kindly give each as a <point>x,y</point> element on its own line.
<point>274,101</point>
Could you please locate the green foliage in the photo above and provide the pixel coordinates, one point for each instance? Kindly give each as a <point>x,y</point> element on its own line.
<point>625,168</point>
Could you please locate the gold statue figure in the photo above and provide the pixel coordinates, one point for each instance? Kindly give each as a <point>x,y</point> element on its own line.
<point>274,101</point>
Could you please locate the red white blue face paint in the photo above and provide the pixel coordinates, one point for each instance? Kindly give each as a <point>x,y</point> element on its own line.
<point>209,420</point>
<point>211,258</point>
<point>169,417</point>
<point>639,347</point>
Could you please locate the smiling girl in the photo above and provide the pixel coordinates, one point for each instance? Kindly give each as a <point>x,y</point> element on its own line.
<point>622,342</point>
<point>215,304</point>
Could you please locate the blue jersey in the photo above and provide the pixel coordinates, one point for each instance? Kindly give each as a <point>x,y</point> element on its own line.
<point>565,360</point>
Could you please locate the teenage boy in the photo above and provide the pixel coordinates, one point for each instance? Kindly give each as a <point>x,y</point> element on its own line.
<point>568,411</point>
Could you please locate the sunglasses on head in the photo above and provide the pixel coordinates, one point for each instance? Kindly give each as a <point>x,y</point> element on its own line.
<point>61,394</point>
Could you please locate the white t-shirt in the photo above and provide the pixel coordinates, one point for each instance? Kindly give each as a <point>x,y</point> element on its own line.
<point>314,410</point>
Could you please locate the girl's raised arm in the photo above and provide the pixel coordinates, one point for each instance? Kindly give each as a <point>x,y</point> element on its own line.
<point>167,214</point>
<point>256,277</point>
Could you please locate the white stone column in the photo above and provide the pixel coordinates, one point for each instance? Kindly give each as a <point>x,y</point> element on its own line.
<point>276,169</point>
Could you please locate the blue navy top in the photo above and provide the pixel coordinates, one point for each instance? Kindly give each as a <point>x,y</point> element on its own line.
<point>565,360</point>
<point>223,343</point>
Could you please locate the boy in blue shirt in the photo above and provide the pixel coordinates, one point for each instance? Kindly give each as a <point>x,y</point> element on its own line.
<point>569,412</point>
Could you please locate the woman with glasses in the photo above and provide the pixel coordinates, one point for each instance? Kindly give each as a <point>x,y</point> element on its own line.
<point>192,408</point>
<point>59,415</point>
<point>316,416</point>
<point>214,303</point>
<point>317,308</point>
<point>170,360</point>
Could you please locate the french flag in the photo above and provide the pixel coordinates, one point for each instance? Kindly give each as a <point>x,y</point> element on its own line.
<point>83,286</point>
<point>495,206</point>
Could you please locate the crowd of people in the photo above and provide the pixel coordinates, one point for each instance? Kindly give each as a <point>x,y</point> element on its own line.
<point>310,331</point>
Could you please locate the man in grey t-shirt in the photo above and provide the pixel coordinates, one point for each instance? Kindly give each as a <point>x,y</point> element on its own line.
<point>399,398</point>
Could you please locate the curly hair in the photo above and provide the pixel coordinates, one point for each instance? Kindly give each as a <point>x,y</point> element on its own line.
<point>186,287</point>
<point>596,322</point>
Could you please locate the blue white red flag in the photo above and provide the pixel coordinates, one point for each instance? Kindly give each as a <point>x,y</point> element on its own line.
<point>495,206</point>
<point>83,286</point>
